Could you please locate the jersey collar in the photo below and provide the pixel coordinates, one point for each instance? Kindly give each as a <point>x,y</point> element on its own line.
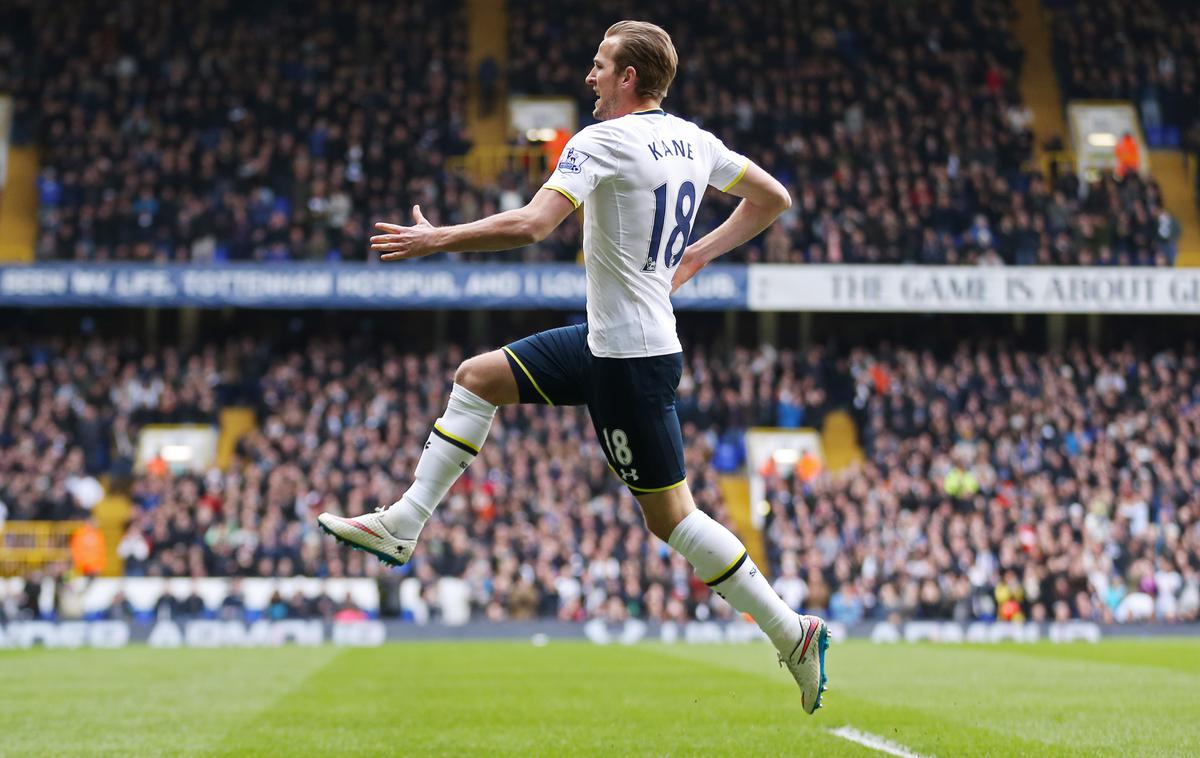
<point>651,112</point>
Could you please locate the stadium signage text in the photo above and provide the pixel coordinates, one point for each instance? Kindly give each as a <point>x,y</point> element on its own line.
<point>216,634</point>
<point>980,632</point>
<point>112,634</point>
<point>971,289</point>
<point>756,287</point>
<point>422,285</point>
<point>634,631</point>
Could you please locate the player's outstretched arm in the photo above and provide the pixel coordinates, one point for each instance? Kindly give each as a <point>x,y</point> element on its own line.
<point>763,199</point>
<point>503,231</point>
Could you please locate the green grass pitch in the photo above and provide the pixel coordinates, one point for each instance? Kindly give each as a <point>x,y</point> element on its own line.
<point>1119,698</point>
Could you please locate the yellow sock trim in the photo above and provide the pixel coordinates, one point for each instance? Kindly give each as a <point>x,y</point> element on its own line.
<point>721,574</point>
<point>456,438</point>
<point>529,375</point>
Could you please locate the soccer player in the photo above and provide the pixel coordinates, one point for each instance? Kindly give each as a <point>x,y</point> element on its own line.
<point>639,174</point>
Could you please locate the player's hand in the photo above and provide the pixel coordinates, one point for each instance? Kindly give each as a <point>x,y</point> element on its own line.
<point>689,264</point>
<point>399,243</point>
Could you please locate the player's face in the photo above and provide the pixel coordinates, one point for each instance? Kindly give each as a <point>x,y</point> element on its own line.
<point>604,80</point>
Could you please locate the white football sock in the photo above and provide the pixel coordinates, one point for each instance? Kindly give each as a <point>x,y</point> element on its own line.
<point>720,559</point>
<point>455,440</point>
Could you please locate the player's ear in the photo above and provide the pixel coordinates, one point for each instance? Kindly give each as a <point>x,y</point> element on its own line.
<point>629,78</point>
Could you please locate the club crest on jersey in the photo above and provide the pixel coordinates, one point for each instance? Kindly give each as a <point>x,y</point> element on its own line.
<point>572,161</point>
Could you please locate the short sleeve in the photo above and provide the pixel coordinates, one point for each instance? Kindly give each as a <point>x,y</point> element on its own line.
<point>728,167</point>
<point>586,161</point>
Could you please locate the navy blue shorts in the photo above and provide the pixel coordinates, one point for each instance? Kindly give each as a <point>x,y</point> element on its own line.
<point>631,401</point>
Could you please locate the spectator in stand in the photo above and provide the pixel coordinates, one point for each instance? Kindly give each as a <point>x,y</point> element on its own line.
<point>1128,156</point>
<point>87,549</point>
<point>191,607</point>
<point>278,609</point>
<point>347,611</point>
<point>68,599</point>
<point>233,605</point>
<point>133,550</point>
<point>120,609</point>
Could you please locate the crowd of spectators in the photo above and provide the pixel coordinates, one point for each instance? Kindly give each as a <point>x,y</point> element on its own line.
<point>1004,484</point>
<point>67,600</point>
<point>70,411</point>
<point>216,131</point>
<point>898,127</point>
<point>997,483</point>
<point>1144,51</point>
<point>536,526</point>
<point>219,130</point>
<point>337,433</point>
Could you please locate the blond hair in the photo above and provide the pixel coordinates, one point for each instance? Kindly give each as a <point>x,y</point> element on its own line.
<point>649,50</point>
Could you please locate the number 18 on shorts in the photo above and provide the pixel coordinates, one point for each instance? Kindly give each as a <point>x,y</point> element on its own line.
<point>633,410</point>
<point>616,443</point>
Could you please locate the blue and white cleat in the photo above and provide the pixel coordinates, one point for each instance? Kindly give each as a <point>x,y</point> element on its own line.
<point>807,662</point>
<point>366,532</point>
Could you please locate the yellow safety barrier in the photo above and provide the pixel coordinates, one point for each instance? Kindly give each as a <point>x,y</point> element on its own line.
<point>735,490</point>
<point>19,206</point>
<point>29,546</point>
<point>485,163</point>
<point>487,35</point>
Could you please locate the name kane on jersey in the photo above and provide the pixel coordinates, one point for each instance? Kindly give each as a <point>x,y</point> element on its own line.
<point>674,149</point>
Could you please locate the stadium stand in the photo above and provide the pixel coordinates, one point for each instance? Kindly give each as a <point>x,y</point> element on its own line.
<point>229,131</point>
<point>898,127</point>
<point>70,412</point>
<point>1006,484</point>
<point>1145,52</point>
<point>999,483</point>
<point>902,140</point>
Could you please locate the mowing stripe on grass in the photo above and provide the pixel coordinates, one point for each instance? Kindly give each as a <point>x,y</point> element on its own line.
<point>874,742</point>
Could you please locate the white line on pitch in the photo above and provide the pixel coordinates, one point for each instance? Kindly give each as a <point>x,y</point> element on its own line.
<point>874,742</point>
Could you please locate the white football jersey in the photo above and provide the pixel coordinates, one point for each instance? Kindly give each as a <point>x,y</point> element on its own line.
<point>640,179</point>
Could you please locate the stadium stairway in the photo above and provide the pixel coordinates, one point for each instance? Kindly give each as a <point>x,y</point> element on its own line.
<point>235,423</point>
<point>839,440</point>
<point>1039,82</point>
<point>1170,169</point>
<point>490,153</point>
<point>487,35</point>
<point>112,513</point>
<point>735,490</point>
<point>19,206</point>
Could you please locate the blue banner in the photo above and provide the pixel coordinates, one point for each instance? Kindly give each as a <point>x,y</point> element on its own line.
<point>335,286</point>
